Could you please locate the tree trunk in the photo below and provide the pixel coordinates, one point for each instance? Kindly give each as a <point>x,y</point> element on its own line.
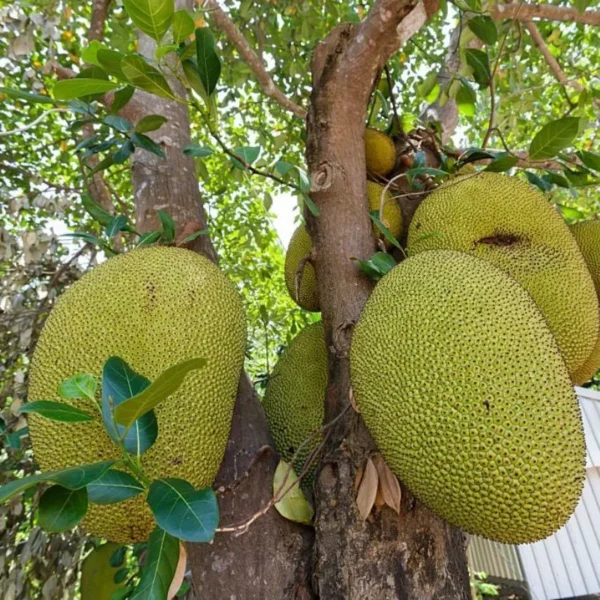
<point>270,559</point>
<point>416,555</point>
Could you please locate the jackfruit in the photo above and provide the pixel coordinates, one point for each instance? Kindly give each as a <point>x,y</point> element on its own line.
<point>464,390</point>
<point>390,216</point>
<point>294,399</point>
<point>380,152</point>
<point>300,247</point>
<point>587,236</point>
<point>511,224</point>
<point>154,308</point>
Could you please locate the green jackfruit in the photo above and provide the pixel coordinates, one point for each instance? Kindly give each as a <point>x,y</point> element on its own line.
<point>512,225</point>
<point>294,400</point>
<point>380,152</point>
<point>97,575</point>
<point>464,390</point>
<point>587,235</point>
<point>300,247</point>
<point>391,216</point>
<point>154,308</point>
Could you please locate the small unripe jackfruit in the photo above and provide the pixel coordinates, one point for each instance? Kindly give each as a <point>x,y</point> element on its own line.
<point>299,248</point>
<point>380,152</point>
<point>391,216</point>
<point>587,235</point>
<point>509,223</point>
<point>463,388</point>
<point>154,308</point>
<point>294,400</point>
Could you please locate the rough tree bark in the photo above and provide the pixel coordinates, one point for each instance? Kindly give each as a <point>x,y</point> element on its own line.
<point>414,556</point>
<point>269,560</point>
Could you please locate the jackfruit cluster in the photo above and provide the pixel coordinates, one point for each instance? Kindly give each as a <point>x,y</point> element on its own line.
<point>510,224</point>
<point>464,389</point>
<point>587,235</point>
<point>154,308</point>
<point>294,399</point>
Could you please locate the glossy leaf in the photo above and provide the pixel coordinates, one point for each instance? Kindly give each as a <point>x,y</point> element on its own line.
<point>479,62</point>
<point>114,486</point>
<point>56,411</point>
<point>118,223</point>
<point>119,123</point>
<point>145,143</point>
<point>160,389</point>
<point>80,386</point>
<point>168,225</point>
<point>160,567</point>
<point>119,383</point>
<point>123,153</point>
<point>247,155</point>
<point>150,123</point>
<point>96,212</point>
<point>144,76</point>
<point>153,17</point>
<point>73,478</point>
<point>554,137</point>
<point>502,162</point>
<point>148,239</point>
<point>590,159</point>
<point>60,509</point>
<point>208,62</point>
<point>78,87</point>
<point>293,505</point>
<point>27,96</point>
<point>198,151</point>
<point>485,29</point>
<point>188,514</point>
<point>183,26</point>
<point>387,234</point>
<point>110,61</point>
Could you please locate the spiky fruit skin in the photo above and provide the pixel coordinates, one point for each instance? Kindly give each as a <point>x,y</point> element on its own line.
<point>587,236</point>
<point>154,308</point>
<point>512,225</point>
<point>380,152</point>
<point>294,399</point>
<point>464,390</point>
<point>308,294</point>
<point>391,216</point>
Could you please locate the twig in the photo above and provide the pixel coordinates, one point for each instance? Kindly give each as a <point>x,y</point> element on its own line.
<point>545,12</point>
<point>390,83</point>
<point>21,171</point>
<point>33,123</point>
<point>228,27</point>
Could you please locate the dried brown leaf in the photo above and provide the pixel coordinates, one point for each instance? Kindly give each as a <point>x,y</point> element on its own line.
<point>358,477</point>
<point>379,501</point>
<point>353,402</point>
<point>179,572</point>
<point>388,484</point>
<point>367,490</point>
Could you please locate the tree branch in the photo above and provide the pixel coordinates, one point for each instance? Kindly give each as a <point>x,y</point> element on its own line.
<point>99,14</point>
<point>545,12</point>
<point>235,36</point>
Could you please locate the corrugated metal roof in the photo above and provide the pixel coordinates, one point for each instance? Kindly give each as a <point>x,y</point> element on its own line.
<point>589,400</point>
<point>499,560</point>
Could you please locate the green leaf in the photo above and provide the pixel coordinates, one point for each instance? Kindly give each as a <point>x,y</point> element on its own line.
<point>466,99</point>
<point>60,509</point>
<point>293,506</point>
<point>435,173</point>
<point>479,62</point>
<point>119,123</point>
<point>80,386</point>
<point>183,26</point>
<point>485,29</point>
<point>427,86</point>
<point>121,98</point>
<point>581,5</point>
<point>538,181</point>
<point>590,159</point>
<point>148,238</point>
<point>198,151</point>
<point>110,61</point>
<point>192,237</point>
<point>28,96</point>
<point>56,411</point>
<point>383,262</point>
<point>114,486</point>
<point>188,514</point>
<point>120,594</point>
<point>119,383</point>
<point>117,223</point>
<point>153,17</point>
<point>159,568</point>
<point>283,167</point>
<point>160,389</point>
<point>502,162</point>
<point>145,143</point>
<point>78,87</point>
<point>248,154</point>
<point>164,50</point>
<point>209,64</point>
<point>190,69</point>
<point>556,179</point>
<point>95,210</point>
<point>150,123</point>
<point>73,478</point>
<point>90,53</point>
<point>121,575</point>
<point>144,76</point>
<point>123,153</point>
<point>168,225</point>
<point>475,154</point>
<point>554,137</point>
<point>387,234</point>
<point>118,557</point>
<point>570,212</point>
